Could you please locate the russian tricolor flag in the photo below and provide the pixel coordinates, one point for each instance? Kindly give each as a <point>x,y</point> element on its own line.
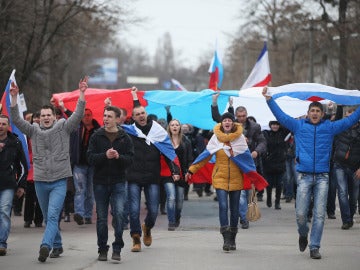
<point>260,74</point>
<point>158,137</point>
<point>240,155</point>
<point>216,72</point>
<point>5,104</point>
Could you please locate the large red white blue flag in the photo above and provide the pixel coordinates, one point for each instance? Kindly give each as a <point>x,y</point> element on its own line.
<point>216,72</point>
<point>195,107</point>
<point>260,74</point>
<point>5,104</point>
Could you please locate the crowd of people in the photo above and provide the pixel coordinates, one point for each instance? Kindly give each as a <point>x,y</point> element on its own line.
<point>76,163</point>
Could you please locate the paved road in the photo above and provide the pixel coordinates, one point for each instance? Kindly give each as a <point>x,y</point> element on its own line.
<point>270,243</point>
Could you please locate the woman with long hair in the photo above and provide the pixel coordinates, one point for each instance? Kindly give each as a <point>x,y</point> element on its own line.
<point>175,189</point>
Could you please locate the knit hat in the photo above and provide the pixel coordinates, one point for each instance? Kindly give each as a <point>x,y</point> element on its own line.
<point>228,115</point>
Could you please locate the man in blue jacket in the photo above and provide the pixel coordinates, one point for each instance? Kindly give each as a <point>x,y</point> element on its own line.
<point>314,138</point>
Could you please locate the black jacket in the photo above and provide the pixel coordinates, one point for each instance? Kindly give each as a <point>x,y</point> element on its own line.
<point>146,166</point>
<point>347,148</point>
<point>110,171</point>
<point>275,157</point>
<point>13,164</point>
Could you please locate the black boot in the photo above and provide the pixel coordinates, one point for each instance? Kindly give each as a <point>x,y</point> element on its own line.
<point>268,196</point>
<point>233,232</point>
<point>225,231</point>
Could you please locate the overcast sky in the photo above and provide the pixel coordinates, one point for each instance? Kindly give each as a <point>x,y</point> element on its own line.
<point>194,25</point>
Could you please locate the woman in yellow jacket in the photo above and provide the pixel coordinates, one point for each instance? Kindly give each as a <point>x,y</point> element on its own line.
<point>227,178</point>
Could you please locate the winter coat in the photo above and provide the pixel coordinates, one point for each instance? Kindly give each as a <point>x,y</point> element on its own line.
<point>347,148</point>
<point>146,166</point>
<point>13,164</point>
<point>275,157</point>
<point>226,174</point>
<point>110,171</point>
<point>313,142</point>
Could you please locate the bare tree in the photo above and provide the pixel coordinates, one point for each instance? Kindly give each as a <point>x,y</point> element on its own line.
<point>49,41</point>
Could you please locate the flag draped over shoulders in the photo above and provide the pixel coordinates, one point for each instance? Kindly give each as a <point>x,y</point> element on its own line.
<point>156,136</point>
<point>239,153</point>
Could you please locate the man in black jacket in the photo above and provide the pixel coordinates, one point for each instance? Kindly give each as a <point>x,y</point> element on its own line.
<point>111,152</point>
<point>13,171</point>
<point>346,159</point>
<point>145,173</point>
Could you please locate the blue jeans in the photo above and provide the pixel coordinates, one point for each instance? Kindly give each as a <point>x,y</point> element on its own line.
<point>226,198</point>
<point>308,186</point>
<point>83,182</point>
<point>290,178</point>
<point>174,201</point>
<point>115,196</point>
<point>348,191</point>
<point>51,196</point>
<point>6,201</point>
<point>243,204</point>
<point>152,193</point>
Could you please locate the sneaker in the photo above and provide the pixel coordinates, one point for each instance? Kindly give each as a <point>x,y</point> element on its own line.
<point>346,226</point>
<point>88,221</point>
<point>79,219</point>
<point>67,218</point>
<point>2,251</point>
<point>116,256</point>
<point>244,224</point>
<point>102,255</point>
<point>55,253</point>
<point>303,243</point>
<point>43,253</point>
<point>147,239</point>
<point>315,254</point>
<point>27,224</point>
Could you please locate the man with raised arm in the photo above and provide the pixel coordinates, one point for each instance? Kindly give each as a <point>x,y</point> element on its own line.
<point>51,161</point>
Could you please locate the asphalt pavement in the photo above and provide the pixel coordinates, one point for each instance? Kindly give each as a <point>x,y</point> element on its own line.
<point>270,243</point>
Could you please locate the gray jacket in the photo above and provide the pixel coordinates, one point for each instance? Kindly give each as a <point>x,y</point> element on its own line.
<point>50,147</point>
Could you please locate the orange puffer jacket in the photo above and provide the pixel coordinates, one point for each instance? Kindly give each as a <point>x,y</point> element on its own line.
<point>226,175</point>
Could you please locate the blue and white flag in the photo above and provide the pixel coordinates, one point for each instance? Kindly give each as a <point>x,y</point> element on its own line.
<point>156,136</point>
